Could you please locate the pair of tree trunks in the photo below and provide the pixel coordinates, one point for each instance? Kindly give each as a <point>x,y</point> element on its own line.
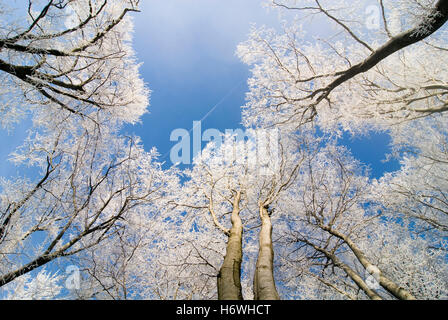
<point>229,277</point>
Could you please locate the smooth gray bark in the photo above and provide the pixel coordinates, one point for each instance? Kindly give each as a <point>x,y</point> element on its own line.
<point>229,277</point>
<point>264,283</point>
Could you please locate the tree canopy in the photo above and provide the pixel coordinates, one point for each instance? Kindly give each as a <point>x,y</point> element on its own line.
<point>281,210</point>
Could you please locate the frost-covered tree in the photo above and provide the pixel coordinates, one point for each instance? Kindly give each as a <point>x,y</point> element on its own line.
<point>407,258</point>
<point>132,263</point>
<point>70,58</point>
<point>91,183</point>
<point>419,190</point>
<point>328,197</point>
<point>43,286</point>
<point>373,65</point>
<point>230,190</point>
<point>71,66</point>
<point>356,72</point>
<point>335,238</point>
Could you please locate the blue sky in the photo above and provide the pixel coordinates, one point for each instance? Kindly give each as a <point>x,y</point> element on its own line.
<point>187,48</point>
<point>188,52</point>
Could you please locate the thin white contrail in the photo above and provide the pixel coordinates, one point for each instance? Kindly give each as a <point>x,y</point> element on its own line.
<point>221,101</point>
<point>209,112</point>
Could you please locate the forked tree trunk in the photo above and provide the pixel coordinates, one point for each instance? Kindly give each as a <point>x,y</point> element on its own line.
<point>229,283</point>
<point>264,283</point>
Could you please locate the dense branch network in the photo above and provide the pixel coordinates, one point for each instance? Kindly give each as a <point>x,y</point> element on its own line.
<point>347,77</point>
<point>74,55</point>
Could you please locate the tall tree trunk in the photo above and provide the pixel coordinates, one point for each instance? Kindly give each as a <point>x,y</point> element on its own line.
<point>372,294</point>
<point>393,288</point>
<point>264,283</point>
<point>229,283</point>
